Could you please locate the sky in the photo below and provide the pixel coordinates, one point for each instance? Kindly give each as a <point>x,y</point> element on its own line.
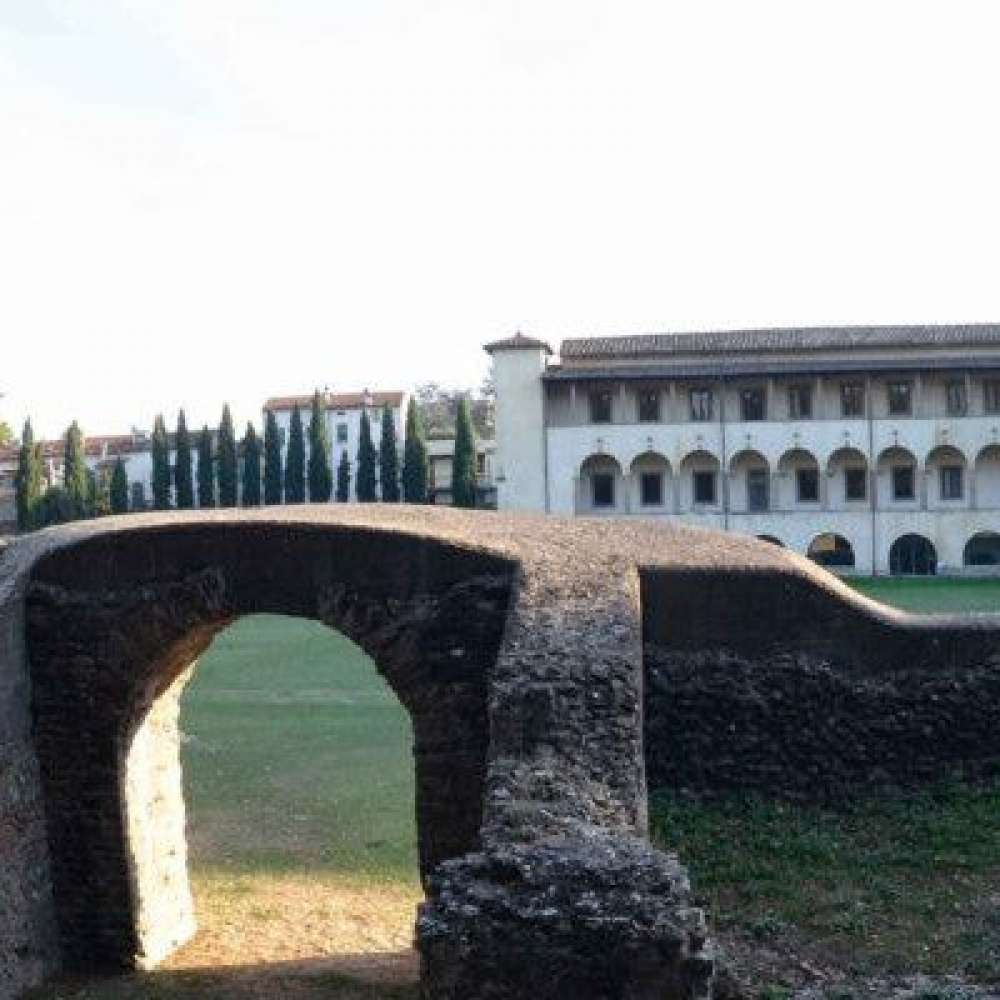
<point>223,200</point>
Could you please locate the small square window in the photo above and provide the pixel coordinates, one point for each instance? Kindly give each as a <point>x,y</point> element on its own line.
<point>900,398</point>
<point>991,395</point>
<point>651,489</point>
<point>852,399</point>
<point>757,489</point>
<point>807,485</point>
<point>701,405</point>
<point>649,406</point>
<point>800,402</point>
<point>704,487</point>
<point>603,486</point>
<point>855,484</point>
<point>752,403</point>
<point>956,398</point>
<point>600,406</point>
<point>341,433</point>
<point>903,482</point>
<point>951,482</point>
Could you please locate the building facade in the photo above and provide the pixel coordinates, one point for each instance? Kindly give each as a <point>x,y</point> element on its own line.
<point>871,449</point>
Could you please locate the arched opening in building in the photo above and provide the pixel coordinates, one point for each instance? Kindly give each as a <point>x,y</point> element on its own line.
<point>912,555</point>
<point>651,483</point>
<point>298,782</point>
<point>947,481</point>
<point>832,550</point>
<point>982,549</point>
<point>847,474</point>
<point>600,486</point>
<point>987,481</point>
<point>898,481</point>
<point>749,482</point>
<point>772,540</point>
<point>799,479</point>
<point>701,488</point>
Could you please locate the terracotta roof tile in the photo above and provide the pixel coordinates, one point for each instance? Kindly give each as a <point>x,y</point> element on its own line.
<point>517,342</point>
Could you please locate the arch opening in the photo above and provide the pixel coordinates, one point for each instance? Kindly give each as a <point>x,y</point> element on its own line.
<point>982,549</point>
<point>114,626</point>
<point>831,550</point>
<point>912,555</point>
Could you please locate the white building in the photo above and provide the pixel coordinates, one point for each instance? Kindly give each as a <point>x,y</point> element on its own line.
<point>873,449</point>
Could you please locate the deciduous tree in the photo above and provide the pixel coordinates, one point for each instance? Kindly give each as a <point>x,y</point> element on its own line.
<point>414,457</point>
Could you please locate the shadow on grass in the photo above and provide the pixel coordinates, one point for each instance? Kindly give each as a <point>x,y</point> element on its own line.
<point>371,976</point>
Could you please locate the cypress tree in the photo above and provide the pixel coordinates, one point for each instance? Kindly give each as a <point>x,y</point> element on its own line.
<point>414,457</point>
<point>344,477</point>
<point>160,448</point>
<point>28,483</point>
<point>295,461</point>
<point>463,469</point>
<point>75,478</point>
<point>206,469</point>
<point>227,460</point>
<point>366,461</point>
<point>388,458</point>
<point>320,473</point>
<point>251,468</point>
<point>119,488</point>
<point>272,460</point>
<point>183,478</point>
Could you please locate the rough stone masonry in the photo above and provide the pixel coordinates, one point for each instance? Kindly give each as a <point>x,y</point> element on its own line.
<point>516,644</point>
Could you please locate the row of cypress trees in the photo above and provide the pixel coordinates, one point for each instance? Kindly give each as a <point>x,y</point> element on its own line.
<point>219,475</point>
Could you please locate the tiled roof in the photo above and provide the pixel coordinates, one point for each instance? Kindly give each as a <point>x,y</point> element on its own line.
<point>518,342</point>
<point>337,400</point>
<point>111,444</point>
<point>791,339</point>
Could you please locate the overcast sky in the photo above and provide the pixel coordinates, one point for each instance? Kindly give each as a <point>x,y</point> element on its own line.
<point>208,200</point>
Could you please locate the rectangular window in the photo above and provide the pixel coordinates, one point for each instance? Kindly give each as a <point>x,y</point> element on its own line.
<point>900,398</point>
<point>603,487</point>
<point>649,406</point>
<point>800,402</point>
<point>341,433</point>
<point>852,399</point>
<point>903,482</point>
<point>855,484</point>
<point>956,398</point>
<point>704,487</point>
<point>757,489</point>
<point>701,405</point>
<point>807,485</point>
<point>600,406</point>
<point>651,489</point>
<point>481,464</point>
<point>138,496</point>
<point>991,395</point>
<point>752,403</point>
<point>951,482</point>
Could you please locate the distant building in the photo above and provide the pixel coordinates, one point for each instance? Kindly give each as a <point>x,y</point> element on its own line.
<point>871,449</point>
<point>440,459</point>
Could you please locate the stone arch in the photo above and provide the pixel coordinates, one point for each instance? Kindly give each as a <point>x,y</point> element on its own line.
<point>895,484</point>
<point>651,482</point>
<point>848,477</point>
<point>750,482</point>
<point>987,477</point>
<point>831,550</point>
<point>947,479</point>
<point>799,481</point>
<point>982,549</point>
<point>698,469</point>
<point>912,555</point>
<point>600,480</point>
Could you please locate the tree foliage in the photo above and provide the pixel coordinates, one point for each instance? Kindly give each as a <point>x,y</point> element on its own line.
<point>227,460</point>
<point>183,477</point>
<point>160,453</point>
<point>320,471</point>
<point>365,488</point>
<point>388,459</point>
<point>463,471</point>
<point>251,468</point>
<point>439,408</point>
<point>272,460</point>
<point>6,434</point>
<point>75,479</point>
<point>28,482</point>
<point>344,477</point>
<point>295,461</point>
<point>119,488</point>
<point>206,469</point>
<point>414,457</point>
<point>55,506</point>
